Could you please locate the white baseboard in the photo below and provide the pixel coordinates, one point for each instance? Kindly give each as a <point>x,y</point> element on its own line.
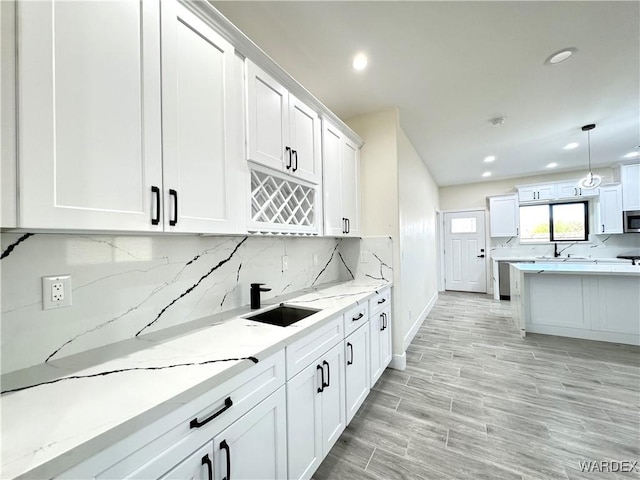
<point>398,362</point>
<point>408,338</point>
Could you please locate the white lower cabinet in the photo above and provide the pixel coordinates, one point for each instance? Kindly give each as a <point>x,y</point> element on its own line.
<point>379,326</point>
<point>255,446</point>
<point>315,412</point>
<point>357,376</point>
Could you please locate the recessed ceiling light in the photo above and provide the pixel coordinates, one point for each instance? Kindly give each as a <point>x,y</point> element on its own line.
<point>360,62</point>
<point>486,174</point>
<point>552,165</point>
<point>490,158</point>
<point>571,146</point>
<point>632,155</point>
<point>560,56</point>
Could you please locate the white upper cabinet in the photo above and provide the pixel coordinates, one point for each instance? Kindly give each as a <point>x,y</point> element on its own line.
<point>282,132</point>
<point>630,178</point>
<point>89,115</point>
<point>533,193</point>
<point>202,130</point>
<point>609,210</point>
<point>341,164</point>
<point>570,189</point>
<point>504,215</point>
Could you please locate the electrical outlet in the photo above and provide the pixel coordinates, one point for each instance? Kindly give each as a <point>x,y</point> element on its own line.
<point>285,263</point>
<point>56,292</point>
<point>364,256</point>
<point>315,259</point>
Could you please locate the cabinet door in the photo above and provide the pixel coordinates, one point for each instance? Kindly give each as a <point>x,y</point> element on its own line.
<point>610,210</point>
<point>333,397</point>
<point>567,189</point>
<point>357,375</point>
<point>267,120</point>
<point>630,176</point>
<point>375,331</point>
<point>89,124</point>
<point>304,422</point>
<point>546,191</point>
<point>334,224</point>
<point>504,215</point>
<point>304,128</point>
<point>351,186</point>
<point>198,466</point>
<point>200,125</point>
<point>255,446</point>
<point>527,194</point>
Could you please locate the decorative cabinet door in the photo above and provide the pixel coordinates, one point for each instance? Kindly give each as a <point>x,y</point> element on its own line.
<point>332,165</point>
<point>609,208</point>
<point>357,375</point>
<point>267,125</point>
<point>90,115</point>
<point>504,215</point>
<point>304,127</point>
<point>333,399</point>
<point>351,187</point>
<point>201,130</point>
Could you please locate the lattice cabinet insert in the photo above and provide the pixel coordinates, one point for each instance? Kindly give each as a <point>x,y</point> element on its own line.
<point>282,205</point>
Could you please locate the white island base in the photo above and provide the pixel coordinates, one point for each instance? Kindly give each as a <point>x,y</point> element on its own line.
<point>594,302</point>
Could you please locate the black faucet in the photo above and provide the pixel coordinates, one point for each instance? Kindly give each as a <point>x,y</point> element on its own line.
<point>556,254</point>
<point>256,288</point>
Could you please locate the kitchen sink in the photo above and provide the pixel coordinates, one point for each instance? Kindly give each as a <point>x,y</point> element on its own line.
<point>283,315</point>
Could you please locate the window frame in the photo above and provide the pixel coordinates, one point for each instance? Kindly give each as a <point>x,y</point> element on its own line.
<point>552,238</point>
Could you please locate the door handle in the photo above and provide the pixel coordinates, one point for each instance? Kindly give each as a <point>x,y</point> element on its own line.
<point>481,256</point>
<point>225,446</point>
<point>287,152</point>
<point>324,362</point>
<point>321,387</point>
<point>350,362</point>
<point>344,225</point>
<point>195,423</point>
<point>156,191</point>
<point>355,319</point>
<point>294,153</point>
<point>348,225</point>
<point>207,461</point>
<point>172,193</point>
<point>383,322</point>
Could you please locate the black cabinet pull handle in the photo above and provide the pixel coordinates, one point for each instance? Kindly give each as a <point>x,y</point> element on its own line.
<point>195,423</point>
<point>324,362</point>
<point>386,321</point>
<point>295,155</point>
<point>287,152</point>
<point>344,225</point>
<point>382,301</point>
<point>355,319</point>
<point>348,225</point>
<point>225,446</point>
<point>350,362</point>
<point>480,256</point>
<point>174,194</point>
<point>382,315</point>
<point>321,387</point>
<point>156,191</point>
<point>580,190</point>
<point>602,228</point>
<point>207,461</point>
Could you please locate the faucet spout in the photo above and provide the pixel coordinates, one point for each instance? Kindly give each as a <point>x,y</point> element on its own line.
<point>256,288</point>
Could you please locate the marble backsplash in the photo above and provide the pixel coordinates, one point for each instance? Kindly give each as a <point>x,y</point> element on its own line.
<point>598,246</point>
<point>127,286</point>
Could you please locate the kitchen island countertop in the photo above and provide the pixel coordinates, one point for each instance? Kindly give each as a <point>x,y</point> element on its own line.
<point>58,414</point>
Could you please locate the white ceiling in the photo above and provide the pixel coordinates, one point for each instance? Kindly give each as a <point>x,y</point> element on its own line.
<point>452,66</point>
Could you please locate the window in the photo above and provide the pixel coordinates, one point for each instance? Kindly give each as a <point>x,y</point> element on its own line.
<point>463,225</point>
<point>556,222</point>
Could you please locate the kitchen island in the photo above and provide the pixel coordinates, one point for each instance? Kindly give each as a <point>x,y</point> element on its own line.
<point>595,302</point>
<point>108,402</point>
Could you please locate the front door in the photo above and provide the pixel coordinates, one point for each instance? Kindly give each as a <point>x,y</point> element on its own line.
<point>464,251</point>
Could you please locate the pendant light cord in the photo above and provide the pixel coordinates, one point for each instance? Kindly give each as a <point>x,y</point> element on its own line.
<point>589,142</point>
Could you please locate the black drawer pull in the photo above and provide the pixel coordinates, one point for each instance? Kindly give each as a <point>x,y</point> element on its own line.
<point>174,194</point>
<point>295,155</point>
<point>350,362</point>
<point>207,461</point>
<point>355,319</point>
<point>321,387</point>
<point>382,301</point>
<point>324,362</point>
<point>156,191</point>
<point>225,446</point>
<point>287,152</point>
<point>197,424</point>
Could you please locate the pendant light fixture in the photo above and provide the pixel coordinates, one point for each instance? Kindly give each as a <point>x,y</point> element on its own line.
<point>590,181</point>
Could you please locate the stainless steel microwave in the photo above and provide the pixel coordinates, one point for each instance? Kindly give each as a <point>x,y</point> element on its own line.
<point>632,221</point>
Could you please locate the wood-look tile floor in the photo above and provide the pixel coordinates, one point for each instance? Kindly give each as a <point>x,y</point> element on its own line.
<point>477,401</point>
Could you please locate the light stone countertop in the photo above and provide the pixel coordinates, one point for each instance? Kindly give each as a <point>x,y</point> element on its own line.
<point>578,269</point>
<point>58,414</point>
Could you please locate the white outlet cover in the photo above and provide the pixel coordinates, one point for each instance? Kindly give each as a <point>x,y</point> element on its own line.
<point>52,295</point>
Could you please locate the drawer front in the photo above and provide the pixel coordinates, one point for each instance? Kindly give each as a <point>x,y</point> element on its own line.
<point>304,351</point>
<point>154,449</point>
<point>379,301</point>
<point>355,318</point>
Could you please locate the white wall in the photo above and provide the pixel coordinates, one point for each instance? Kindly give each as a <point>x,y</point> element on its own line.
<point>418,201</point>
<point>399,199</point>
